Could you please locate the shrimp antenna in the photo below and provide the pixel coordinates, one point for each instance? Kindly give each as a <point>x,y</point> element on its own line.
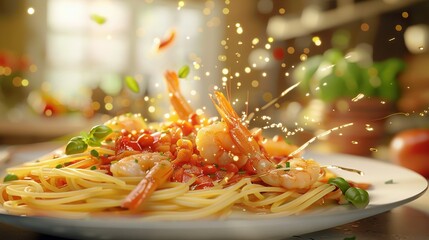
<point>298,150</point>
<point>228,90</point>
<point>270,103</point>
<point>247,103</point>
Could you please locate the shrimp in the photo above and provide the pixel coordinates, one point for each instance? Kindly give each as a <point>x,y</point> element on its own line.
<point>231,141</point>
<point>299,174</point>
<point>153,166</point>
<point>216,146</point>
<point>177,100</point>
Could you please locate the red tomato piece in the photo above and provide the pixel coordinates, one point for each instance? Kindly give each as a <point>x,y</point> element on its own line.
<point>124,143</point>
<point>203,181</point>
<point>194,170</point>
<point>145,140</point>
<point>249,168</point>
<point>186,127</point>
<point>231,167</point>
<point>178,175</point>
<point>209,169</point>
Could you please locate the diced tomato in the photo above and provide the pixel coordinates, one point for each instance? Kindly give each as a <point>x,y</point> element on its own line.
<point>124,132</point>
<point>178,175</point>
<point>209,169</point>
<point>187,177</point>
<point>231,167</point>
<point>220,174</point>
<point>249,168</point>
<point>124,143</point>
<point>194,170</point>
<point>145,140</point>
<point>186,127</point>
<point>236,178</point>
<point>184,174</point>
<point>105,159</point>
<point>61,182</point>
<point>194,119</point>
<point>203,181</point>
<point>106,167</point>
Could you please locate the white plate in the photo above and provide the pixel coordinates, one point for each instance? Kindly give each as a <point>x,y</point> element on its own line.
<point>406,187</point>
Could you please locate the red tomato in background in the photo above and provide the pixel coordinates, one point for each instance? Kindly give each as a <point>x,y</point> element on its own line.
<point>410,148</point>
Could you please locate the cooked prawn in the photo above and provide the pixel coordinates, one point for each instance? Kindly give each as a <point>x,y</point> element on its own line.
<point>299,173</point>
<point>231,141</point>
<point>177,100</point>
<point>215,144</point>
<point>153,166</point>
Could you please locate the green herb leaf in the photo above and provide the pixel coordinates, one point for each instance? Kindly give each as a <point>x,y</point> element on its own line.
<point>389,181</point>
<point>76,145</point>
<point>184,71</point>
<point>132,84</point>
<point>93,142</point>
<point>93,167</point>
<point>100,132</point>
<point>98,19</point>
<point>94,153</point>
<point>59,166</point>
<point>10,177</point>
<point>80,143</point>
<point>358,197</point>
<point>340,183</point>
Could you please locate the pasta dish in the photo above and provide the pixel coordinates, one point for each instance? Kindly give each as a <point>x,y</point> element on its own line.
<point>189,167</point>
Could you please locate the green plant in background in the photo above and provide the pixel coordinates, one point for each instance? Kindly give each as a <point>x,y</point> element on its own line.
<point>333,76</point>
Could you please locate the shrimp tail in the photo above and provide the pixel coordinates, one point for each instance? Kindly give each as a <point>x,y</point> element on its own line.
<point>155,177</point>
<point>239,132</point>
<point>177,100</point>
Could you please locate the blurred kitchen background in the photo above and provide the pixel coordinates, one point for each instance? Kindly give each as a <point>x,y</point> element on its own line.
<point>63,64</point>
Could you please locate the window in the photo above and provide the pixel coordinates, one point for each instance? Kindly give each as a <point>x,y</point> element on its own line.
<point>81,55</point>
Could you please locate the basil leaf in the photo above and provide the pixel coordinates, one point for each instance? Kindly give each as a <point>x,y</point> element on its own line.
<point>94,153</point>
<point>184,71</point>
<point>358,197</point>
<point>132,84</point>
<point>76,145</point>
<point>93,142</point>
<point>98,19</point>
<point>10,177</point>
<point>340,183</point>
<point>99,132</point>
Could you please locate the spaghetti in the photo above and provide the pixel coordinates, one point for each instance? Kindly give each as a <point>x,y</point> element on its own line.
<point>75,192</point>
